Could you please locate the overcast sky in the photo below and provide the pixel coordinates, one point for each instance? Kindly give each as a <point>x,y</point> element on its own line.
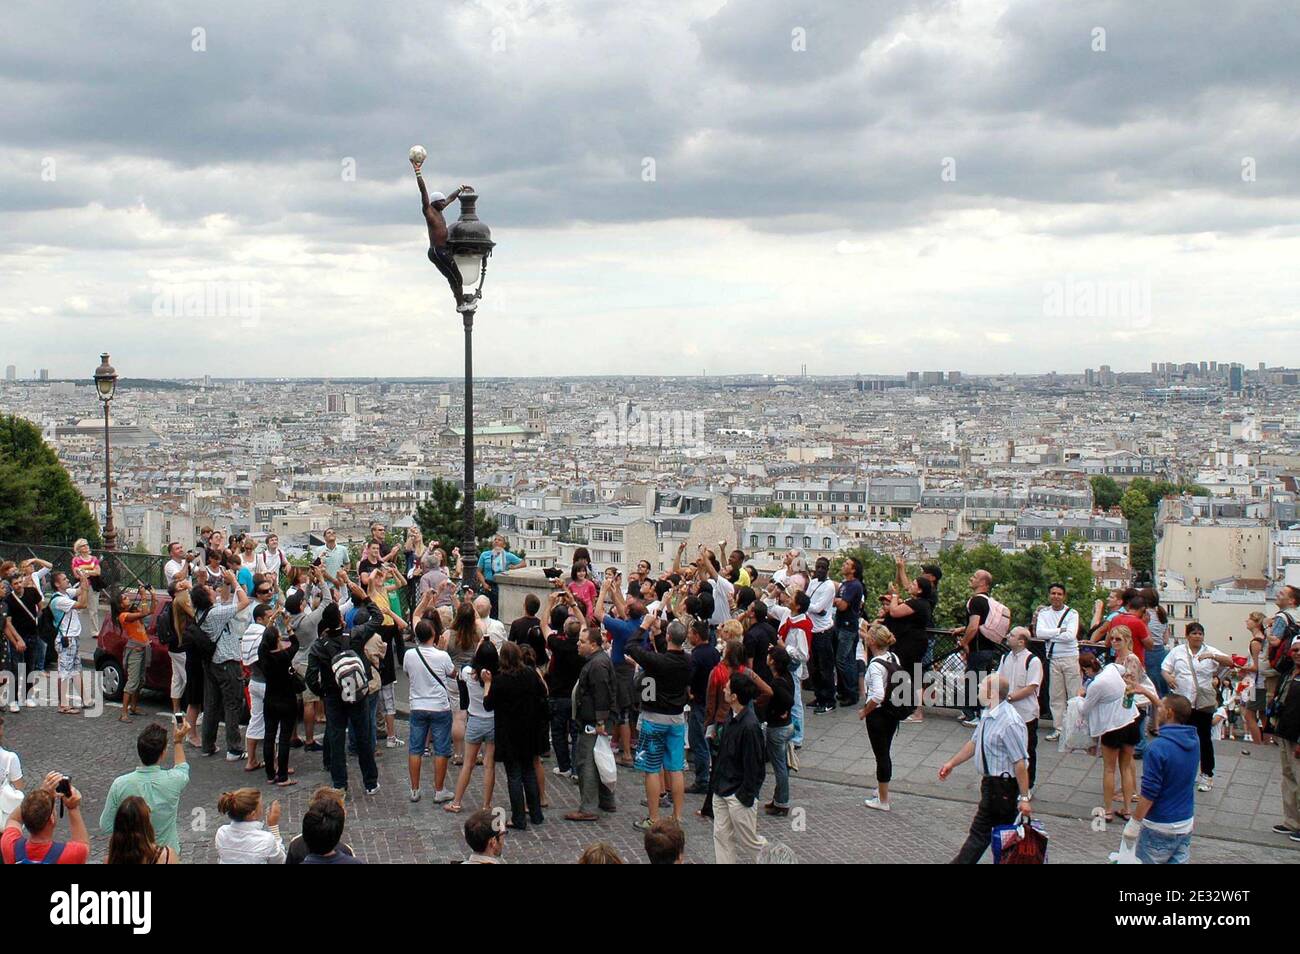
<point>675,186</point>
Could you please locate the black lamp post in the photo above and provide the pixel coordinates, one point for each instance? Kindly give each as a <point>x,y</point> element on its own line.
<point>470,241</point>
<point>106,384</point>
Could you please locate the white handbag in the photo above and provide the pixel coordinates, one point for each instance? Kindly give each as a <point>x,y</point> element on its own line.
<point>10,799</point>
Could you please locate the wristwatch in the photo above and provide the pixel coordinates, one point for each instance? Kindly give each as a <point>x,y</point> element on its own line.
<point>1023,798</point>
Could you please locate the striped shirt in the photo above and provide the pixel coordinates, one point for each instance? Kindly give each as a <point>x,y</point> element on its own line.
<point>1001,740</point>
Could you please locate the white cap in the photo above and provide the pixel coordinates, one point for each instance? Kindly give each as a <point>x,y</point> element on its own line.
<point>436,197</point>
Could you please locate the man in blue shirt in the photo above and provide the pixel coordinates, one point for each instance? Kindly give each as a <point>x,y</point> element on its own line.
<point>848,610</point>
<point>494,561</point>
<point>1162,822</point>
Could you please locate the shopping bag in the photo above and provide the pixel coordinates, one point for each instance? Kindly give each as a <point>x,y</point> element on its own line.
<point>10,799</point>
<point>1074,728</point>
<point>951,682</point>
<point>605,764</point>
<point>1127,854</point>
<point>1021,843</point>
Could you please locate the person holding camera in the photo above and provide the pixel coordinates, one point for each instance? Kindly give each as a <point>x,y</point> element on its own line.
<point>160,788</point>
<point>36,815</point>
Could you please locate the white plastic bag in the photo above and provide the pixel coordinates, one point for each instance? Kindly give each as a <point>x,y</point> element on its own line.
<point>10,798</point>
<point>1074,728</point>
<point>605,763</point>
<point>1127,854</point>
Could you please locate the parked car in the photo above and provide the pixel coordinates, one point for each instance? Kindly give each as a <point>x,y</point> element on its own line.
<point>110,643</point>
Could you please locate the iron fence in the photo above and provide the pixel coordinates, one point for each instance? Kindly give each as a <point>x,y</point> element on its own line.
<point>118,568</point>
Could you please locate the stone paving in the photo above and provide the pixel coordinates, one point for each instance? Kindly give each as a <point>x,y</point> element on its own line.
<point>831,825</point>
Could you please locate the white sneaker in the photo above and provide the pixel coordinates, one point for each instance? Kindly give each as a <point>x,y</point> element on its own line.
<point>969,723</point>
<point>415,794</point>
<point>13,707</point>
<point>876,803</point>
<point>1052,736</point>
<point>1204,783</point>
<point>394,742</point>
<point>560,772</point>
<point>442,795</point>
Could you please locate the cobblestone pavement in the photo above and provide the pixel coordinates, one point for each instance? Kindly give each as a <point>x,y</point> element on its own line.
<point>830,825</point>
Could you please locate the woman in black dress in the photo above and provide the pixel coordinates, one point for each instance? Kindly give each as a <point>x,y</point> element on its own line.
<point>518,698</point>
<point>909,621</point>
<point>280,705</point>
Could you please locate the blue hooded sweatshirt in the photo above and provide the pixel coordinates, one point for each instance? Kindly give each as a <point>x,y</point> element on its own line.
<point>1169,771</point>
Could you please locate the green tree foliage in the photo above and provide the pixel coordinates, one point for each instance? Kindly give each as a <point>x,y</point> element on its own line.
<point>1020,580</point>
<point>1105,492</point>
<point>38,501</point>
<point>442,517</point>
<point>1139,504</point>
<point>775,510</point>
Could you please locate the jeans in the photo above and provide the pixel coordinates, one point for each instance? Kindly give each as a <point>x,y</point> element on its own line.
<point>37,654</point>
<point>699,747</point>
<point>777,738</point>
<point>1154,848</point>
<point>980,662</point>
<point>997,806</point>
<point>1154,660</point>
<point>372,707</point>
<point>340,717</point>
<point>521,779</point>
<point>823,660</point>
<point>796,715</point>
<point>223,694</point>
<point>846,663</point>
<point>564,732</point>
<point>595,794</point>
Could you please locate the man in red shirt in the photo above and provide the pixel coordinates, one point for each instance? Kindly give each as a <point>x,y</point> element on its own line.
<point>1133,617</point>
<point>36,813</point>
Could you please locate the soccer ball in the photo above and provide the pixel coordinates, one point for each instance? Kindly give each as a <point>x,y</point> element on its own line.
<point>418,154</point>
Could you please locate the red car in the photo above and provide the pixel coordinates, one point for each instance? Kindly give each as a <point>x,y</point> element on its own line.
<point>110,642</point>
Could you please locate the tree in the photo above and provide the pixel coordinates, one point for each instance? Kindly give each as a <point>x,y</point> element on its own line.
<point>442,517</point>
<point>1105,492</point>
<point>486,493</point>
<point>775,510</point>
<point>38,501</point>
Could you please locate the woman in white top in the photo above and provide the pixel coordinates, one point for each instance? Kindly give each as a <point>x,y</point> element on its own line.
<point>480,727</point>
<point>1189,669</point>
<point>1110,706</point>
<point>881,724</point>
<point>247,840</point>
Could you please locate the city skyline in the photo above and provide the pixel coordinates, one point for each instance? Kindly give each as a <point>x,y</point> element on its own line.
<point>737,187</point>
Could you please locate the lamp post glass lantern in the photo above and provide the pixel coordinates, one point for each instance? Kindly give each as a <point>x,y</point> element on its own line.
<point>470,242</point>
<point>106,387</point>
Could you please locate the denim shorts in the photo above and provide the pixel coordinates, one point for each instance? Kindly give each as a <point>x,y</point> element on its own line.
<point>1157,848</point>
<point>432,727</point>
<point>480,729</point>
<point>660,746</point>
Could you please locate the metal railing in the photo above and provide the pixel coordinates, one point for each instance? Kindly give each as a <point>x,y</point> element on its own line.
<point>118,568</point>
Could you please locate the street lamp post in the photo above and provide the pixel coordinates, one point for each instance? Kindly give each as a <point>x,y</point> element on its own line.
<point>105,385</point>
<point>470,241</point>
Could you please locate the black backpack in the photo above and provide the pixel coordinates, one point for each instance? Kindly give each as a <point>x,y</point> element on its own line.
<point>198,641</point>
<point>165,629</point>
<point>898,685</point>
<point>45,627</point>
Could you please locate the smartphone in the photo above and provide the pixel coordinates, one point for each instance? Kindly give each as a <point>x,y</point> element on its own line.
<point>179,717</point>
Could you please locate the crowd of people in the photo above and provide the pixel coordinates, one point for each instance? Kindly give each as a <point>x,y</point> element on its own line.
<point>709,657</point>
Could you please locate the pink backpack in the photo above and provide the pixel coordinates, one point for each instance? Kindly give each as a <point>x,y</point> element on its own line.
<point>998,624</point>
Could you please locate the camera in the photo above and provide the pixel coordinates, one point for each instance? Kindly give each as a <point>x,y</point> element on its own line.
<point>551,572</point>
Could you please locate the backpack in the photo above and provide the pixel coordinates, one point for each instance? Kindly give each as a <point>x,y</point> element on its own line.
<point>51,857</point>
<point>898,685</point>
<point>349,672</point>
<point>197,639</point>
<point>46,626</point>
<point>998,623</point>
<point>165,629</point>
<point>1280,656</point>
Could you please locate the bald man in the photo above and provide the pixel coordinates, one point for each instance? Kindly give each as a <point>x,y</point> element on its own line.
<point>979,651</point>
<point>1000,747</point>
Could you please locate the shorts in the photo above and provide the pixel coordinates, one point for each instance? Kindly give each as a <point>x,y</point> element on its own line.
<point>480,729</point>
<point>256,710</point>
<point>660,746</point>
<point>179,676</point>
<point>388,699</point>
<point>69,659</point>
<point>1125,735</point>
<point>307,694</point>
<point>624,695</point>
<point>434,728</point>
<point>133,660</point>
<point>1258,700</point>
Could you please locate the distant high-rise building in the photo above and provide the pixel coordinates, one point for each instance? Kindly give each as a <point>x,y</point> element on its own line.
<point>954,377</point>
<point>1262,366</point>
<point>11,373</point>
<point>1234,378</point>
<point>1214,366</point>
<point>1205,368</point>
<point>340,404</point>
<point>1155,368</point>
<point>45,374</point>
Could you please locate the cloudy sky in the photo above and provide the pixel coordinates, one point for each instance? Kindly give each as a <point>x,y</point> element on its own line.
<point>739,186</point>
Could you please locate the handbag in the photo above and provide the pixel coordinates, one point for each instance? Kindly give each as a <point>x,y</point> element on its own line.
<point>605,764</point>
<point>1022,843</point>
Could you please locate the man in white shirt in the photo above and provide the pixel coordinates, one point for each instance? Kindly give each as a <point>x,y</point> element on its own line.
<point>1057,625</point>
<point>430,671</point>
<point>821,602</point>
<point>178,565</point>
<point>334,557</point>
<point>66,604</point>
<point>489,625</point>
<point>1023,672</point>
<point>1189,670</point>
<point>707,569</point>
<point>999,746</point>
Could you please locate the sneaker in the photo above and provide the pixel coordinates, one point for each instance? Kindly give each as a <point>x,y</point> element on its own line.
<point>1052,736</point>
<point>560,772</point>
<point>442,795</point>
<point>371,791</point>
<point>875,803</point>
<point>236,756</point>
<point>14,707</point>
<point>822,710</point>
<point>1283,830</point>
<point>1295,836</point>
<point>1205,783</point>
<point>394,742</point>
<point>642,825</point>
<point>415,794</point>
<point>969,723</point>
<point>466,305</point>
